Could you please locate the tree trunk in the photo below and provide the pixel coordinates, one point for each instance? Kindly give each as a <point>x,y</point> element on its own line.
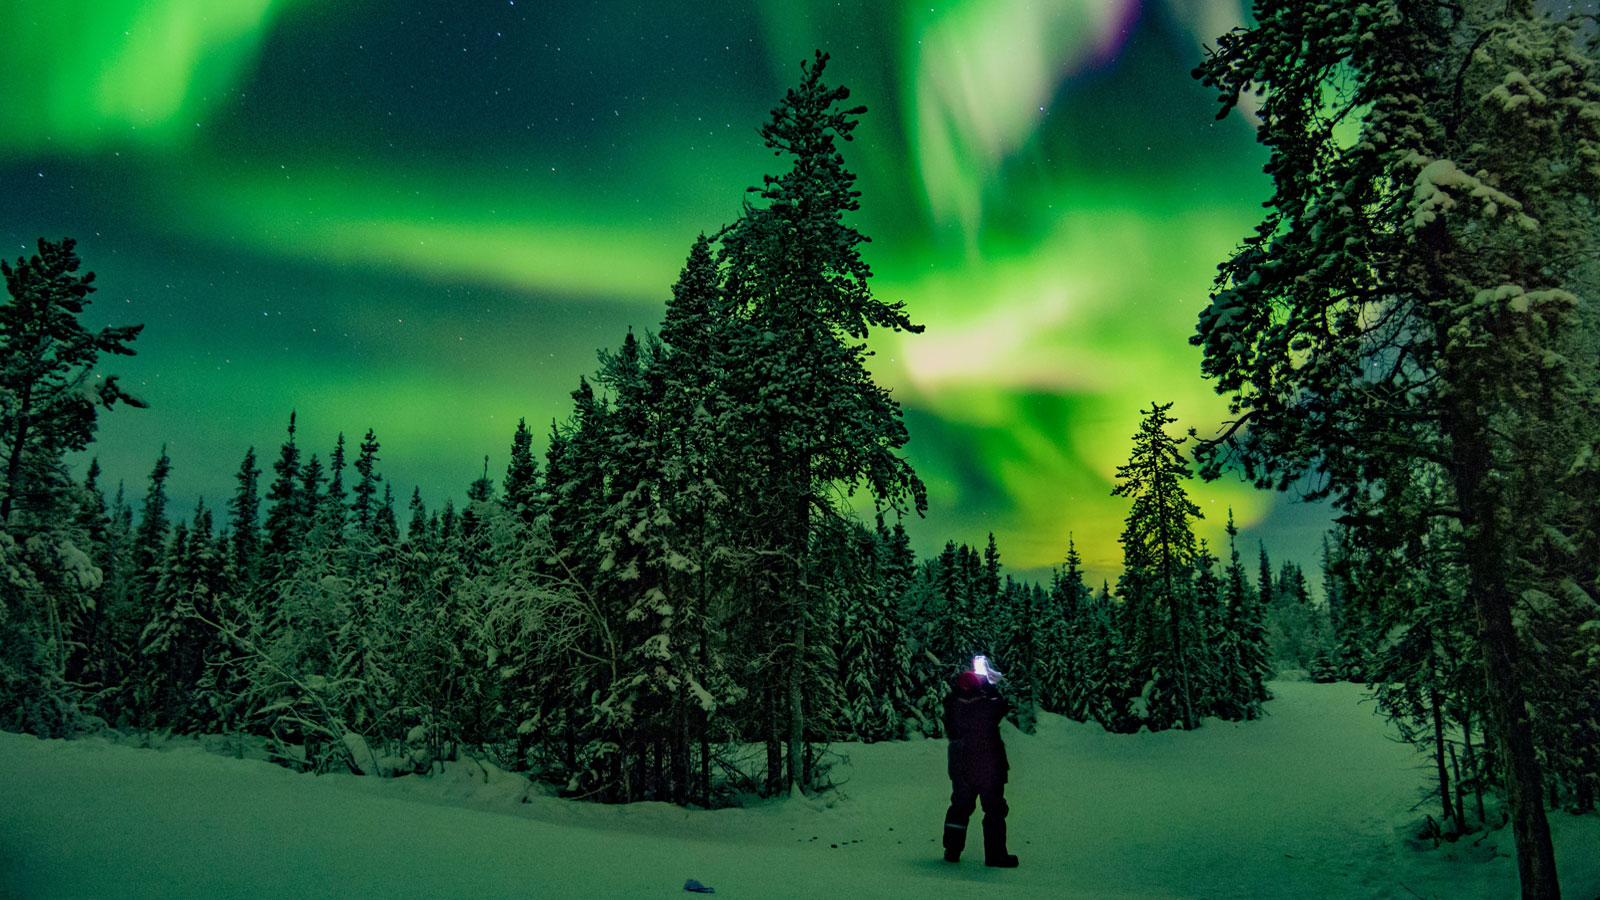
<point>1461,801</point>
<point>705,770</point>
<point>1438,759</point>
<point>774,743</point>
<point>1472,763</point>
<point>797,720</point>
<point>14,463</point>
<point>1508,709</point>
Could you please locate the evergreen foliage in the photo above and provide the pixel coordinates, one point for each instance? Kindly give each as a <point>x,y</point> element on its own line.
<point>1408,307</point>
<point>1160,613</point>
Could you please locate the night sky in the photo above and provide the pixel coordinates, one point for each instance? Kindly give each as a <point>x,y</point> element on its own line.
<point>425,218</point>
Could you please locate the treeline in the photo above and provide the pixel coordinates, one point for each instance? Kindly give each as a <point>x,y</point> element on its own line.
<point>317,621</point>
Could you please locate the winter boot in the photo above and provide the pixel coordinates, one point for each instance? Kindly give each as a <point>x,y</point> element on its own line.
<point>994,843</point>
<point>955,840</point>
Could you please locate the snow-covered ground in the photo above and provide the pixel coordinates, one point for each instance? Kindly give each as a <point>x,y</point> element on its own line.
<point>1308,803</point>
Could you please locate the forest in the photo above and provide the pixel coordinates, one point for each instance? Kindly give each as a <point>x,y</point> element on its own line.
<point>706,579</point>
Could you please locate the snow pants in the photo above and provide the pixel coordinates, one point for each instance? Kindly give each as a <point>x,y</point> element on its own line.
<point>963,800</point>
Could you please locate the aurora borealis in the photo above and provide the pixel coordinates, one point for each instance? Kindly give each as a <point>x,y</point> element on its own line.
<point>426,218</point>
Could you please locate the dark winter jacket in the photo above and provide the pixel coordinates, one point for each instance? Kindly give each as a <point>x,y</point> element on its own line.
<point>972,721</point>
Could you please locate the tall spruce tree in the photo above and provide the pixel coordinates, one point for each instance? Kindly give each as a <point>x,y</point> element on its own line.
<point>1409,293</point>
<point>521,487</point>
<point>284,526</point>
<point>1247,657</point>
<point>150,538</point>
<point>798,385</point>
<point>47,361</point>
<point>244,526</point>
<point>366,506</point>
<point>1159,554</point>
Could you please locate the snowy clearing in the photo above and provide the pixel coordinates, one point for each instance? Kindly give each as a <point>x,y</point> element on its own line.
<point>1311,802</point>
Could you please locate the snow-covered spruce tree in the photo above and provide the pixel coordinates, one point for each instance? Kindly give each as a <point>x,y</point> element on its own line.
<point>46,600</point>
<point>149,550</point>
<point>1112,684</point>
<point>634,712</point>
<point>1328,665</point>
<point>284,527</point>
<point>1351,611</point>
<point>584,659</point>
<point>334,511</point>
<point>797,384</point>
<point>930,606</point>
<point>244,527</point>
<point>1075,599</point>
<point>894,564</point>
<point>907,659</point>
<point>867,629</point>
<point>48,382</point>
<point>366,645</point>
<point>689,539</point>
<point>364,510</point>
<point>989,589</point>
<point>1246,657</point>
<point>294,662</point>
<point>110,642</point>
<point>1435,174</point>
<point>948,624</point>
<point>1210,674</point>
<point>1019,609</point>
<point>1158,562</point>
<point>177,640</point>
<point>91,646</point>
<point>521,486</point>
<point>1054,665</point>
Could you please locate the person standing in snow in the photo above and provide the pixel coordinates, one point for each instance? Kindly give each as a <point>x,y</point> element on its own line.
<point>978,767</point>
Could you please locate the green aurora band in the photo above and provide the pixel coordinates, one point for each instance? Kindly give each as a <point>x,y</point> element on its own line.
<point>426,222</point>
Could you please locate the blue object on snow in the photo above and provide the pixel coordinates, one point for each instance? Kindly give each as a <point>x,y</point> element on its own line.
<point>698,888</point>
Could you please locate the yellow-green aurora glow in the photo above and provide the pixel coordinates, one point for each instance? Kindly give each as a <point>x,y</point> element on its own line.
<point>425,219</point>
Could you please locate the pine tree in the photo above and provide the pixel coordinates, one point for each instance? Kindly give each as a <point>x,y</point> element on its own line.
<point>1408,295</point>
<point>1076,652</point>
<point>1246,657</point>
<point>697,466</point>
<point>1021,648</point>
<point>365,507</point>
<point>522,476</point>
<point>795,281</point>
<point>1264,589</point>
<point>417,524</point>
<point>386,524</point>
<point>150,538</point>
<point>1207,635</point>
<point>1159,553</point>
<point>333,511</point>
<point>176,640</point>
<point>244,526</point>
<point>89,649</point>
<point>47,359</point>
<point>285,526</point>
<point>310,500</point>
